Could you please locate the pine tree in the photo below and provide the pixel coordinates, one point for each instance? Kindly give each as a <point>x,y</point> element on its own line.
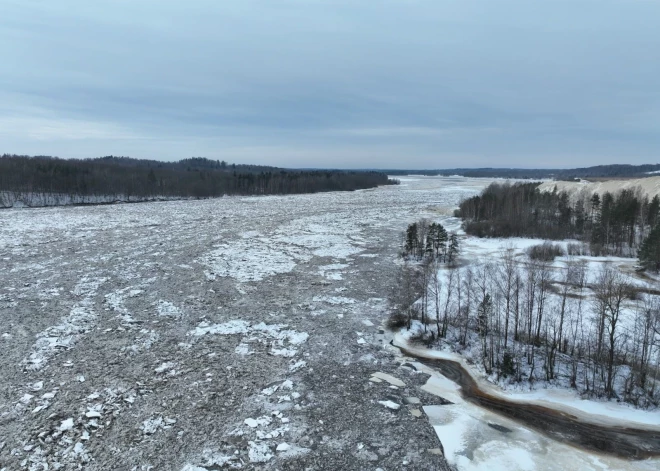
<point>432,234</point>
<point>653,210</point>
<point>649,253</point>
<point>595,205</point>
<point>453,250</point>
<point>411,239</point>
<point>441,240</point>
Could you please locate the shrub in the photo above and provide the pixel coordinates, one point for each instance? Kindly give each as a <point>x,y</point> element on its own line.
<point>396,320</point>
<point>545,252</point>
<point>508,365</point>
<point>577,249</point>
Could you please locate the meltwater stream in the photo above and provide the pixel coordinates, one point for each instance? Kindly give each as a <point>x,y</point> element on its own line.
<point>623,442</point>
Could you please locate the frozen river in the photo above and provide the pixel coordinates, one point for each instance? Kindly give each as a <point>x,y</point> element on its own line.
<point>225,333</point>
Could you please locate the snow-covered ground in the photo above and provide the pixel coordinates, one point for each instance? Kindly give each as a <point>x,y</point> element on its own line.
<point>649,186</point>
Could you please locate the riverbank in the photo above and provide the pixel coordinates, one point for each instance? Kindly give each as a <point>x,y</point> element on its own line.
<point>486,429</point>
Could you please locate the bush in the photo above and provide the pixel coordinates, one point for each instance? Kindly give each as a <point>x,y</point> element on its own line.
<point>598,250</point>
<point>396,321</point>
<point>422,338</point>
<point>545,252</point>
<point>577,249</point>
<point>508,365</point>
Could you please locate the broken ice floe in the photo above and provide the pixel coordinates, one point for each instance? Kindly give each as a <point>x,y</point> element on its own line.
<point>88,286</point>
<point>255,256</point>
<point>259,452</point>
<point>333,300</point>
<point>213,460</point>
<point>66,425</point>
<point>154,424</point>
<point>167,309</point>
<point>60,444</point>
<point>287,384</point>
<point>242,349</point>
<point>143,341</point>
<point>390,404</point>
<point>332,271</point>
<point>116,299</point>
<point>167,366</point>
<point>249,260</point>
<point>64,335</point>
<point>389,378</point>
<point>295,366</point>
<point>282,339</point>
<point>258,422</point>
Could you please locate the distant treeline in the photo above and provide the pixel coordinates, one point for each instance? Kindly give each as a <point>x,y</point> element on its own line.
<point>599,171</point>
<point>616,224</point>
<point>45,181</point>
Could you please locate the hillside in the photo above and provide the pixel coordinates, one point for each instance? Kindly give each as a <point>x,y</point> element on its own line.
<point>598,171</point>
<point>649,186</point>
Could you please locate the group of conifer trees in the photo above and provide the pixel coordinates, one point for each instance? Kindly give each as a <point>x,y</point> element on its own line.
<point>529,318</point>
<point>424,239</point>
<point>622,224</point>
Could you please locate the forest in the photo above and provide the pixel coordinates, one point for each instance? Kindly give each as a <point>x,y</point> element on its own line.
<point>558,313</point>
<point>47,181</point>
<point>609,224</point>
<point>525,320</point>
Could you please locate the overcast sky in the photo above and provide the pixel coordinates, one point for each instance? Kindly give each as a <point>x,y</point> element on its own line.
<point>336,83</point>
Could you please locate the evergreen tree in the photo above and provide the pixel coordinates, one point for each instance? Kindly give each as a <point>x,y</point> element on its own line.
<point>595,206</point>
<point>411,239</point>
<point>431,236</point>
<point>578,212</point>
<point>653,210</point>
<point>649,253</point>
<point>441,241</point>
<point>453,250</point>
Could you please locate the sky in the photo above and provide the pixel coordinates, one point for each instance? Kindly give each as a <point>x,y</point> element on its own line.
<point>338,83</point>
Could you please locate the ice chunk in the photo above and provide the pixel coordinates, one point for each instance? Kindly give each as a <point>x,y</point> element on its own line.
<point>390,404</point>
<point>66,425</point>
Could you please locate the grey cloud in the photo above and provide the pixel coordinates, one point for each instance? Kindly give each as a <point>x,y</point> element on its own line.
<point>426,83</point>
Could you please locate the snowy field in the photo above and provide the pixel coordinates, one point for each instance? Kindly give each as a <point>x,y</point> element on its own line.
<point>203,335</point>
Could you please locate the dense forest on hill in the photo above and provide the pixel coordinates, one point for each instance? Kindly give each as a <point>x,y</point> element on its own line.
<point>47,181</point>
<point>599,171</point>
<point>616,224</point>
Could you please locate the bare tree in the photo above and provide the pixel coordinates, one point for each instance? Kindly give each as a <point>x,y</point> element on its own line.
<point>543,286</point>
<point>406,290</point>
<point>467,286</point>
<point>449,290</point>
<point>611,290</point>
<point>507,271</point>
<point>435,291</point>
